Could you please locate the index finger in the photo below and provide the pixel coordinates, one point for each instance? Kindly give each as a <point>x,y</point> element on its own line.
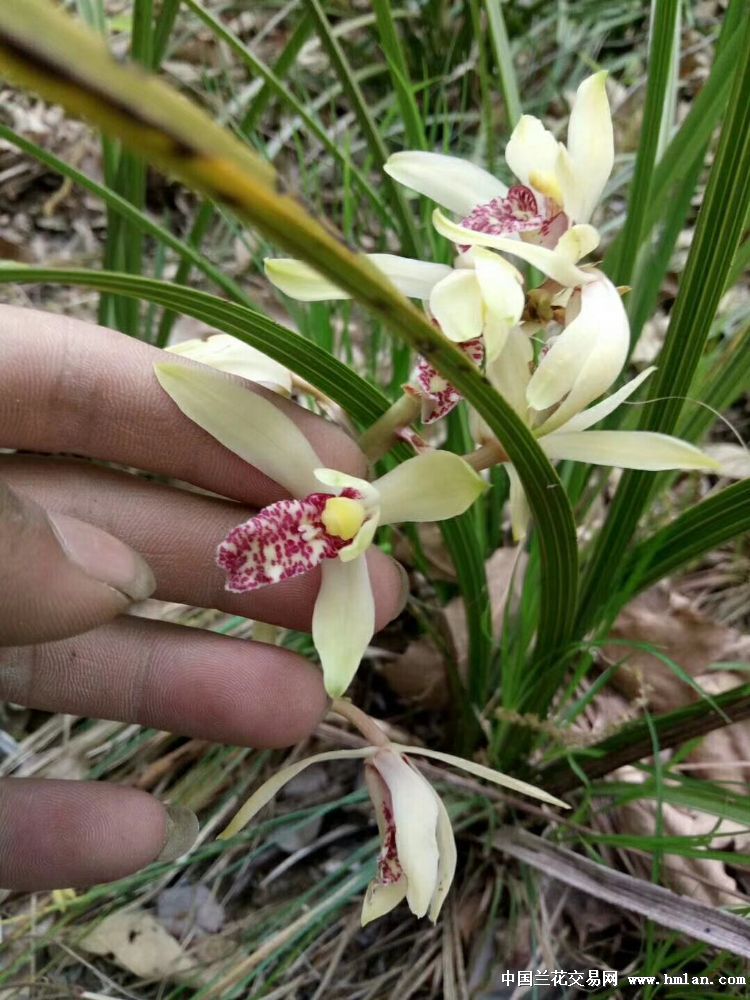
<point>73,387</point>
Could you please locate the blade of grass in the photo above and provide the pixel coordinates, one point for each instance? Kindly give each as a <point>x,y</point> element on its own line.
<point>282,91</point>
<point>665,16</point>
<point>504,61</point>
<point>713,522</point>
<point>118,205</point>
<point>404,217</point>
<point>163,30</point>
<point>717,235</point>
<point>399,70</point>
<point>634,741</point>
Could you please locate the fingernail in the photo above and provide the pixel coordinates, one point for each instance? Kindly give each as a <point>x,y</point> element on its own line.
<point>405,588</point>
<point>104,557</point>
<point>181,833</point>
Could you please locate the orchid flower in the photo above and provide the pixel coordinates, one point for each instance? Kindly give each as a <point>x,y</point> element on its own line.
<point>228,354</point>
<point>544,219</point>
<point>551,397</point>
<point>417,858</point>
<point>331,519</point>
<point>474,303</point>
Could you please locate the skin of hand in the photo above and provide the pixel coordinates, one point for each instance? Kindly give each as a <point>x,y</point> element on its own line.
<point>80,543</point>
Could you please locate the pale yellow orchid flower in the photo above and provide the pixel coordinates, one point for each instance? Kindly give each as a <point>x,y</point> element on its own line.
<point>417,859</point>
<point>552,398</point>
<point>560,185</point>
<point>331,519</point>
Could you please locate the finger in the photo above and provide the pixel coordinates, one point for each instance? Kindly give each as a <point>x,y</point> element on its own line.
<point>177,532</point>
<point>56,834</point>
<point>95,394</point>
<point>59,575</point>
<point>184,680</point>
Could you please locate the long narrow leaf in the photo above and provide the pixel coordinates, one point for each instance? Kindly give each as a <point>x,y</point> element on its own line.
<point>717,236</point>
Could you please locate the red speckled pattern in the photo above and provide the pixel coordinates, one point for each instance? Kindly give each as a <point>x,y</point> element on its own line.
<point>518,212</point>
<point>438,396</point>
<point>283,540</point>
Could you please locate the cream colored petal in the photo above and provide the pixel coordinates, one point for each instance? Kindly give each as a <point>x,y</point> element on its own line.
<point>415,815</point>
<point>586,358</point>
<point>587,418</point>
<point>509,373</point>
<point>430,487</point>
<point>480,771</point>
<point>228,354</point>
<point>520,512</point>
<point>456,304</point>
<point>300,281</point>
<point>502,296</point>
<point>590,148</point>
<point>361,541</point>
<point>415,278</point>
<point>343,621</point>
<point>381,899</point>
<point>577,242</point>
<point>245,422</point>
<point>263,795</point>
<point>447,857</point>
<point>554,265</point>
<point>531,148</point>
<point>338,481</point>
<point>456,184</point>
<point>627,450</point>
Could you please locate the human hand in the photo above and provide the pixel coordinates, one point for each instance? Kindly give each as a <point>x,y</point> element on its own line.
<point>70,537</point>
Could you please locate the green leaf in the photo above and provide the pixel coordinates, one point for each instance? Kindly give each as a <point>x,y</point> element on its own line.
<point>504,61</point>
<point>717,235</point>
<point>713,522</point>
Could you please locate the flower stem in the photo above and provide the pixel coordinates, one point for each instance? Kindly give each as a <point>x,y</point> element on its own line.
<point>361,721</point>
<point>381,437</point>
<point>485,457</point>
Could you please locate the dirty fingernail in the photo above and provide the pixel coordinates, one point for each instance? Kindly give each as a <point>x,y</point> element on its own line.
<point>104,557</point>
<point>181,833</point>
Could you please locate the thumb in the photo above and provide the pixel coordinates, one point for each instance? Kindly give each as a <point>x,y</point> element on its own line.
<point>60,576</point>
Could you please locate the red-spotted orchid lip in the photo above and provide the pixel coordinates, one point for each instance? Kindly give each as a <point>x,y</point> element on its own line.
<point>438,396</point>
<point>284,540</point>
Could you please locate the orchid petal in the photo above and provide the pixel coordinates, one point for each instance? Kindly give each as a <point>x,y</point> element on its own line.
<point>228,354</point>
<point>627,450</point>
<point>584,168</point>
<point>577,242</point>
<point>585,359</point>
<point>381,898</point>
<point>480,771</point>
<point>361,541</point>
<point>587,418</point>
<point>486,773</point>
<point>503,297</point>
<point>520,512</point>
<point>456,184</point>
<point>429,487</point>
<point>245,422</point>
<point>414,278</point>
<point>342,480</point>
<point>447,858</point>
<point>554,265</point>
<point>415,815</point>
<point>531,150</point>
<point>510,372</point>
<point>263,795</point>
<point>456,304</point>
<point>343,621</point>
